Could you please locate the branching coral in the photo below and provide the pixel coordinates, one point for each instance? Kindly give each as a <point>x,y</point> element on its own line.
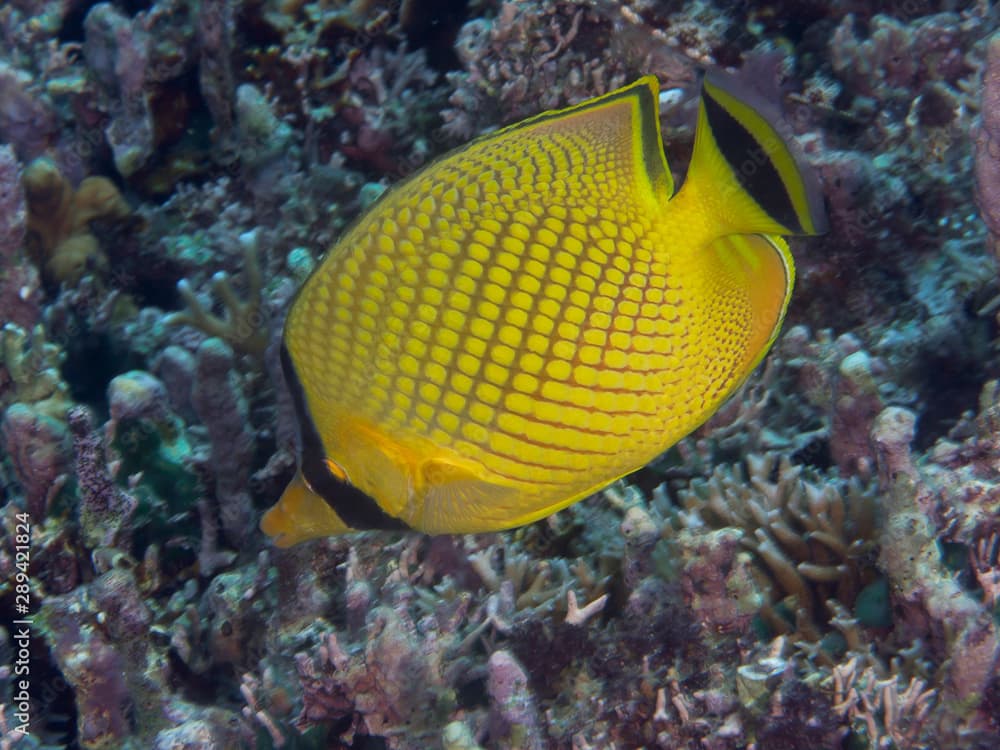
<point>521,587</point>
<point>242,326</point>
<point>882,710</point>
<point>29,371</point>
<point>813,539</point>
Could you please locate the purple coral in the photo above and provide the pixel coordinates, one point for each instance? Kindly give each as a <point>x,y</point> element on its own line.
<point>117,49</point>
<point>12,207</point>
<point>987,140</point>
<point>38,446</point>
<point>514,711</point>
<point>26,119</point>
<point>105,508</point>
<point>20,295</point>
<point>218,400</point>
<point>215,69</point>
<point>95,669</point>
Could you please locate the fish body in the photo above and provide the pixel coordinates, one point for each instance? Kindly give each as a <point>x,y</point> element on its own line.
<point>535,315</point>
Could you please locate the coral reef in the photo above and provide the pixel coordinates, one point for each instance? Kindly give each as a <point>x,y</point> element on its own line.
<point>817,566</point>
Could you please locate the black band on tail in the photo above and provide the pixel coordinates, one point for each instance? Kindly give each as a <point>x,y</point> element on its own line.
<point>751,165</point>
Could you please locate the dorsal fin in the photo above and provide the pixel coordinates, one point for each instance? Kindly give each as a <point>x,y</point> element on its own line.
<point>632,110</point>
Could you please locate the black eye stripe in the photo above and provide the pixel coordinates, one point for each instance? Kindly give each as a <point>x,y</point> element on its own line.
<point>355,508</point>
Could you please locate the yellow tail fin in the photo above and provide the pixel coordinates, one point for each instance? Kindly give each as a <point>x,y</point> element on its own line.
<point>744,174</point>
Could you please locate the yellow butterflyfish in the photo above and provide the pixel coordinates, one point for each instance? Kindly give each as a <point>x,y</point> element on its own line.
<point>536,315</point>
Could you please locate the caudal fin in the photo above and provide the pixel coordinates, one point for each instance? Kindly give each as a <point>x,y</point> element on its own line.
<point>744,173</point>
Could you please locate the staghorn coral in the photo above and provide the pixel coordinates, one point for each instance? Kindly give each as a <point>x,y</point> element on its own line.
<point>517,580</point>
<point>813,539</point>
<point>883,711</point>
<point>244,326</point>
